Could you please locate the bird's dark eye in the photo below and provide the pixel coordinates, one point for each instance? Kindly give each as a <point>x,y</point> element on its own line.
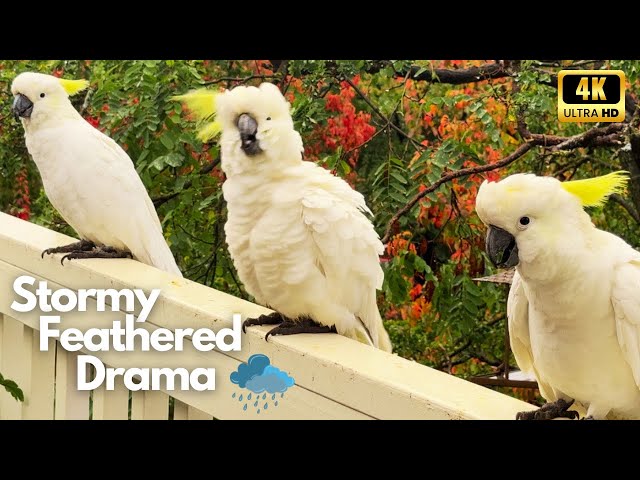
<point>42,95</point>
<point>268,118</point>
<point>524,221</point>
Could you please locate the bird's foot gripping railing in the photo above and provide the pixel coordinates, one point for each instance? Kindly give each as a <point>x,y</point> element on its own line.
<point>334,377</point>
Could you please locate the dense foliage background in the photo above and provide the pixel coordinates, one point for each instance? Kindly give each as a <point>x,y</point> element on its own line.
<point>415,137</point>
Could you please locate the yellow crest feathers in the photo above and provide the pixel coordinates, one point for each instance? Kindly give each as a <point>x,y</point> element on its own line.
<point>209,131</point>
<point>73,86</point>
<point>202,103</point>
<point>593,192</point>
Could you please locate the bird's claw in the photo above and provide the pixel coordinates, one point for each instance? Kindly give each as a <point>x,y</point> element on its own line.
<point>286,326</point>
<point>272,319</point>
<point>549,411</point>
<point>97,252</point>
<point>81,246</point>
<point>306,325</point>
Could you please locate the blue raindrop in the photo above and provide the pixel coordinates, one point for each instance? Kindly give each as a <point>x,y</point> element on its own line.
<point>240,399</point>
<point>282,395</point>
<point>273,397</point>
<point>245,407</point>
<point>234,395</point>
<point>266,405</point>
<point>249,397</point>
<point>258,411</point>
<point>264,395</point>
<point>276,404</point>
<point>255,404</point>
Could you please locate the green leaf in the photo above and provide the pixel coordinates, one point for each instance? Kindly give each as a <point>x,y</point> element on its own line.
<point>395,174</point>
<point>401,189</point>
<point>143,155</point>
<point>397,162</point>
<point>420,71</point>
<point>207,201</point>
<point>419,264</point>
<point>433,177</point>
<point>171,159</point>
<point>344,167</point>
<point>174,160</point>
<point>469,306</point>
<point>474,107</point>
<point>396,196</point>
<point>167,142</point>
<point>180,182</point>
<point>12,388</point>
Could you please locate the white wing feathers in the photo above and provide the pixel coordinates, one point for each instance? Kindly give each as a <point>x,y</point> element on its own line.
<point>147,241</point>
<point>347,250</point>
<point>626,305</point>
<point>118,207</point>
<point>518,316</point>
<point>315,241</point>
<point>519,335</point>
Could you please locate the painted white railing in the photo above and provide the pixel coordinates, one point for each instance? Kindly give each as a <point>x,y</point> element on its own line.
<point>335,377</point>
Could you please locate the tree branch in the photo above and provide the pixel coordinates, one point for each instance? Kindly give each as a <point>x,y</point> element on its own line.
<point>161,200</point>
<point>386,121</point>
<point>594,137</point>
<point>239,79</point>
<point>624,203</point>
<point>460,76</point>
<point>282,69</point>
<point>452,76</point>
<point>571,166</point>
<point>460,349</point>
<point>520,151</point>
<point>587,137</point>
<point>157,202</point>
<point>85,103</point>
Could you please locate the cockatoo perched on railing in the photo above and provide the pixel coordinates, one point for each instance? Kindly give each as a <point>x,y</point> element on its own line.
<point>297,234</point>
<point>574,304</point>
<point>87,177</point>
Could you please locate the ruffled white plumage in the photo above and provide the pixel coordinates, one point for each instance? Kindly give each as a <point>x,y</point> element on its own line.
<point>298,235</point>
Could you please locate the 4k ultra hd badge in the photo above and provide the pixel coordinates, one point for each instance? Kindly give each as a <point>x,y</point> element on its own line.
<point>591,95</point>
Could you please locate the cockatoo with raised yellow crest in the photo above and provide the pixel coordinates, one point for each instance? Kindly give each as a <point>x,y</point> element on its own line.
<point>87,177</point>
<point>297,234</point>
<point>574,304</point>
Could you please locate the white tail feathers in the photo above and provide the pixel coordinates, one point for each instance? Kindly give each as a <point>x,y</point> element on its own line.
<point>167,264</point>
<point>152,249</point>
<point>379,335</point>
<point>160,259</point>
<point>371,321</point>
<point>384,342</point>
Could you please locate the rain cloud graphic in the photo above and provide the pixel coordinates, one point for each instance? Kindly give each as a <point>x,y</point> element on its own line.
<point>260,377</point>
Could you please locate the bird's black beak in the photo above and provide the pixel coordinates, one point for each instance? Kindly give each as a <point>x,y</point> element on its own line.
<point>22,107</point>
<point>501,247</point>
<point>248,128</point>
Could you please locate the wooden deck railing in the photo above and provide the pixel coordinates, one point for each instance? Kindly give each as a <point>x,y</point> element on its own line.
<point>335,377</point>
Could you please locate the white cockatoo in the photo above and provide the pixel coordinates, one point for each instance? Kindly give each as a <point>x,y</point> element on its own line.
<point>297,234</point>
<point>87,177</point>
<point>574,304</point>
